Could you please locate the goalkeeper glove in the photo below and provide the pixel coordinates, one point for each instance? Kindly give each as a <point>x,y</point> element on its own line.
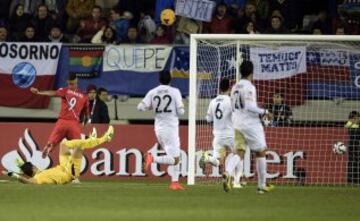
<point>11,174</point>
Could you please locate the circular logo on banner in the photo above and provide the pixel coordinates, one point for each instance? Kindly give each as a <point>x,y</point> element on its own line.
<point>356,82</point>
<point>24,74</point>
<point>357,65</point>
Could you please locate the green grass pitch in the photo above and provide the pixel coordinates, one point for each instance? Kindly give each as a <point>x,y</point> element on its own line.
<point>142,200</point>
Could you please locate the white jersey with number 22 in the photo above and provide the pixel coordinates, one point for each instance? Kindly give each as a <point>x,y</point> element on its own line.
<point>166,101</point>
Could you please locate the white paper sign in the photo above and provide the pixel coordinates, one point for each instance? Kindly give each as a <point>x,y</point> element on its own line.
<point>196,9</point>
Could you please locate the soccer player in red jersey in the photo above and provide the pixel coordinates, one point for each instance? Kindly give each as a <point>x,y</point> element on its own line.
<point>73,102</point>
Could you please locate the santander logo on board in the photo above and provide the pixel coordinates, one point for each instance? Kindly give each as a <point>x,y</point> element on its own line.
<point>28,152</point>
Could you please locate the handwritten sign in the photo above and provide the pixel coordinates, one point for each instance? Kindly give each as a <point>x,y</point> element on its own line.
<point>196,9</point>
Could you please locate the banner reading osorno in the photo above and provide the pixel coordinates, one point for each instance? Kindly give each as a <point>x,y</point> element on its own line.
<point>139,58</point>
<point>25,65</point>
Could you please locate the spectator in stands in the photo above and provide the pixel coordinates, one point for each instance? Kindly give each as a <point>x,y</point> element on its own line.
<point>56,35</point>
<point>98,110</point>
<point>134,7</point>
<point>105,36</point>
<point>316,31</point>
<point>185,28</point>
<point>90,26</point>
<point>29,34</point>
<point>43,22</point>
<point>77,10</point>
<point>4,11</point>
<point>132,36</point>
<point>282,113</point>
<point>57,11</point>
<point>323,23</point>
<point>3,34</point>
<point>146,26</point>
<point>120,22</point>
<point>251,15</point>
<point>353,168</point>
<point>340,31</point>
<point>103,94</point>
<point>239,21</point>
<point>161,37</point>
<point>30,6</point>
<point>221,22</point>
<point>18,22</point>
<point>249,28</point>
<point>277,26</point>
<point>262,10</point>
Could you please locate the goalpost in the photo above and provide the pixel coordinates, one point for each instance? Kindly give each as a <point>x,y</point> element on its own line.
<point>318,77</point>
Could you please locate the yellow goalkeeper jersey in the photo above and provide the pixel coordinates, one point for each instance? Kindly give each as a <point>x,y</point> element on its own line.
<point>55,175</point>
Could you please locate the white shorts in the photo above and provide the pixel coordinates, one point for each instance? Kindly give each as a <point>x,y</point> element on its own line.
<point>169,141</point>
<point>254,136</point>
<point>219,145</point>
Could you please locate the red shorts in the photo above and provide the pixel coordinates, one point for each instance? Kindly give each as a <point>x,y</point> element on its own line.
<point>68,129</point>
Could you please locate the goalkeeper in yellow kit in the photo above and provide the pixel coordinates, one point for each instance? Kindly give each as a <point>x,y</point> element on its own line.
<point>65,172</point>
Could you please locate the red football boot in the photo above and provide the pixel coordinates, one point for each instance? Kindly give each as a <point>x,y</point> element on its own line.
<point>149,159</point>
<point>176,186</point>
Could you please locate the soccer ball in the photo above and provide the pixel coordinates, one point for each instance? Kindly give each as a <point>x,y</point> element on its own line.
<point>339,148</point>
<point>167,17</point>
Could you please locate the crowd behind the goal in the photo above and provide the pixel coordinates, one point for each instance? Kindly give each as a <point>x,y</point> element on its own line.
<point>138,21</point>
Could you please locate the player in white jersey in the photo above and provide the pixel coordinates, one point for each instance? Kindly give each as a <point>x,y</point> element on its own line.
<point>167,103</point>
<point>247,123</point>
<point>219,113</point>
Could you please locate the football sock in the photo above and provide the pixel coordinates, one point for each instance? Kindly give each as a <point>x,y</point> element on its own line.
<point>164,160</point>
<point>77,166</point>
<point>261,170</point>
<point>174,170</point>
<point>230,167</point>
<point>239,169</point>
<point>214,161</point>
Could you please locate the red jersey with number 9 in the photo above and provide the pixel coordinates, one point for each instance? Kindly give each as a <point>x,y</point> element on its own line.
<point>72,103</point>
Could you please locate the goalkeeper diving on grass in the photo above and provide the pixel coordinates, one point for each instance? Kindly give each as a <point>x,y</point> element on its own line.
<point>65,171</point>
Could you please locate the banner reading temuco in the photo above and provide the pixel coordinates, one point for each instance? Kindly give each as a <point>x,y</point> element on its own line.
<point>283,62</point>
<point>139,58</point>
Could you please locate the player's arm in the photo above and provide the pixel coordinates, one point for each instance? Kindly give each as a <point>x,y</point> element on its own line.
<point>145,104</point>
<point>49,93</point>
<point>19,177</point>
<point>180,109</point>
<point>209,115</point>
<point>251,104</point>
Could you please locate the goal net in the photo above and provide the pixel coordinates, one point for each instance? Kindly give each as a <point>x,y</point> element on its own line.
<point>311,84</point>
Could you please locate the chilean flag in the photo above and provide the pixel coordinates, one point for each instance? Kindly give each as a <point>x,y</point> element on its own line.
<point>25,65</point>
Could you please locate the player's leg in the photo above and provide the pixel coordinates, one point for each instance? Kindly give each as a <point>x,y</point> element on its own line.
<point>57,134</point>
<point>257,143</point>
<point>91,142</point>
<point>239,149</point>
<point>164,139</point>
<point>214,159</point>
<point>73,131</point>
<point>171,143</point>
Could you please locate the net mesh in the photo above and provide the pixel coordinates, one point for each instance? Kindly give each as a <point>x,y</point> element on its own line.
<point>317,85</point>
